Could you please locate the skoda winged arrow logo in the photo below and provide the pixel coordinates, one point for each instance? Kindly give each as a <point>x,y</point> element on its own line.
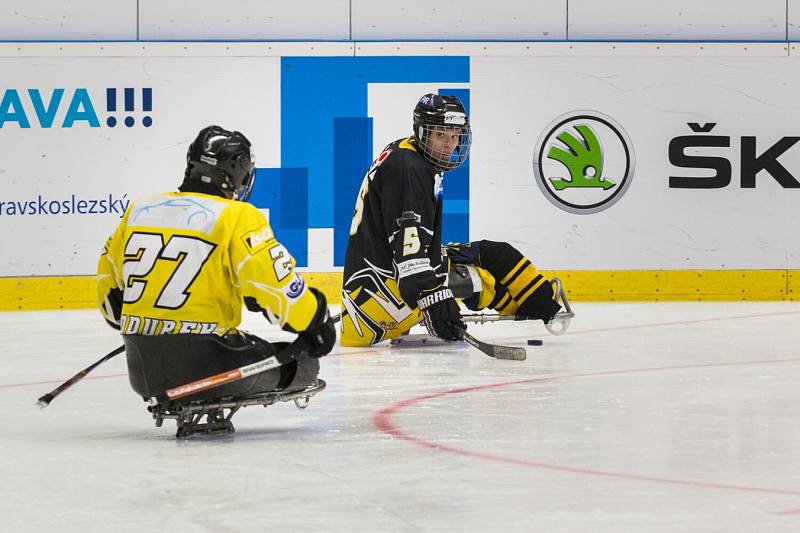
<point>588,164</point>
<point>584,160</point>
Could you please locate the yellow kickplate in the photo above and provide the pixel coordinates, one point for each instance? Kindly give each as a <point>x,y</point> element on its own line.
<point>678,285</point>
<point>77,292</point>
<point>29,294</point>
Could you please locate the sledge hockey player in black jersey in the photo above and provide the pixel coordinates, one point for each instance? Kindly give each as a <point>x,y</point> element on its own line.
<point>174,275</point>
<point>396,273</point>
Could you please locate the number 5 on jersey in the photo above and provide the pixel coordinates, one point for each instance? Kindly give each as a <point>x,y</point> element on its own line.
<point>411,244</point>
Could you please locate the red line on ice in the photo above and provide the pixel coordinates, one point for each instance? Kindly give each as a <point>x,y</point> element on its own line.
<point>383,420</point>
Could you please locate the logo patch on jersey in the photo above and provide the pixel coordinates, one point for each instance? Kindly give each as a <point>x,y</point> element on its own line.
<point>413,266</point>
<point>255,240</point>
<point>378,160</point>
<point>295,288</point>
<point>406,216</point>
<point>381,158</point>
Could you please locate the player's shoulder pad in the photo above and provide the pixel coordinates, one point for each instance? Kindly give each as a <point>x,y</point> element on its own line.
<point>253,228</point>
<point>407,144</point>
<point>256,239</point>
<point>407,161</point>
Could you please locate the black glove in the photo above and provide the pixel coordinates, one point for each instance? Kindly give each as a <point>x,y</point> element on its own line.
<point>441,313</point>
<point>321,332</point>
<point>114,299</point>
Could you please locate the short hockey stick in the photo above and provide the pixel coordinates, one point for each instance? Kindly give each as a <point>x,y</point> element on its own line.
<point>45,400</point>
<point>222,378</point>
<point>236,374</point>
<point>495,350</point>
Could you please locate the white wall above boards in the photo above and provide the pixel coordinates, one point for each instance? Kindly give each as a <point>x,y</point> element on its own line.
<point>678,19</point>
<point>244,19</point>
<point>459,19</point>
<point>793,24</point>
<point>73,20</point>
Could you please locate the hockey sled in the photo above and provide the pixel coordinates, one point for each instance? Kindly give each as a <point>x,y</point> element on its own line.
<point>214,416</point>
<point>558,324</point>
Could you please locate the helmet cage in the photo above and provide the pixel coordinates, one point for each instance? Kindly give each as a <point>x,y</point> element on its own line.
<point>434,151</point>
<point>437,117</point>
<point>243,193</point>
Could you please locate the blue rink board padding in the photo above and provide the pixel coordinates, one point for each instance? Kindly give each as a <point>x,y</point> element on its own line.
<point>326,139</point>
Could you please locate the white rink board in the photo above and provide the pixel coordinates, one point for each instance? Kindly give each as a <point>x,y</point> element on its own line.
<point>238,20</point>
<point>413,19</point>
<point>459,19</point>
<point>76,19</point>
<point>90,163</point>
<point>653,226</point>
<point>513,99</point>
<point>679,19</point>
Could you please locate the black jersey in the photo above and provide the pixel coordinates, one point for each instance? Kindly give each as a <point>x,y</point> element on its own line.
<point>395,237</point>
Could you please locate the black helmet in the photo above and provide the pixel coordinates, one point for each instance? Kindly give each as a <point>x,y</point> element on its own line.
<point>434,115</point>
<point>221,159</point>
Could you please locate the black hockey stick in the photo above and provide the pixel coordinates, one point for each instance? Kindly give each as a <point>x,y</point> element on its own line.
<point>495,350</point>
<point>477,318</point>
<point>492,350</point>
<point>45,400</point>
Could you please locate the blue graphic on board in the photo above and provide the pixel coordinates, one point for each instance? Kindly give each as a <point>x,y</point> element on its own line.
<point>284,191</point>
<point>455,210</point>
<point>37,108</point>
<point>326,145</point>
<point>130,107</point>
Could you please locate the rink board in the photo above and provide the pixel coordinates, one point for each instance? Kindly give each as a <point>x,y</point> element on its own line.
<point>78,292</point>
<point>697,166</point>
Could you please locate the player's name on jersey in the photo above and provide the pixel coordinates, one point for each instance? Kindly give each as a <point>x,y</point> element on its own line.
<point>142,325</point>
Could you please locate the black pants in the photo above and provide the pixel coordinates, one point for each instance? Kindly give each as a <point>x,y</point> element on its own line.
<point>506,264</point>
<point>161,362</point>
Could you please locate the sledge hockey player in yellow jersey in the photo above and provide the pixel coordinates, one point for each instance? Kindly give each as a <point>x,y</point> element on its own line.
<point>396,272</point>
<point>174,275</point>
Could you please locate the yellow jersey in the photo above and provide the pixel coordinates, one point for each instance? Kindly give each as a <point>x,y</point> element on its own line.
<point>185,263</point>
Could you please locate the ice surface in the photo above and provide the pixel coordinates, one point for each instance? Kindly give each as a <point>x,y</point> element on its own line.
<point>654,417</point>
